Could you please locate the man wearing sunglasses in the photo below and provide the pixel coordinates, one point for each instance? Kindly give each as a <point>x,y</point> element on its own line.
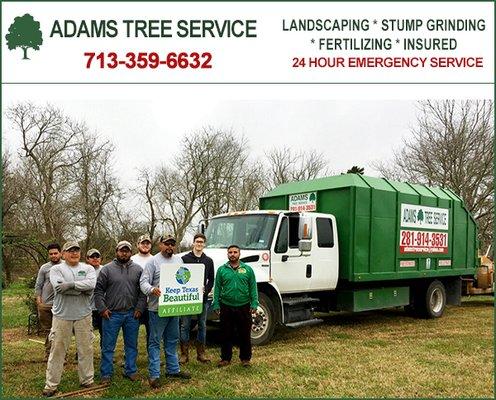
<point>164,329</point>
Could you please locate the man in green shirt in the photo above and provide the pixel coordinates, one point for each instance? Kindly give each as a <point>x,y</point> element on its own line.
<point>235,299</point>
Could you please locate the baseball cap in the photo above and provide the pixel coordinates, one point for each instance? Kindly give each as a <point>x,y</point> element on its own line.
<point>70,245</point>
<point>90,252</point>
<point>124,243</point>
<point>167,238</point>
<point>144,238</point>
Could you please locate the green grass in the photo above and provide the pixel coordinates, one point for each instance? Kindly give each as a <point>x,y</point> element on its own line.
<point>14,311</point>
<point>372,354</point>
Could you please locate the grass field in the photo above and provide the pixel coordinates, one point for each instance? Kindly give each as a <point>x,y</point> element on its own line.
<point>372,354</point>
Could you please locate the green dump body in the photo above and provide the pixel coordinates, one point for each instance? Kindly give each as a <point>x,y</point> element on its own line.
<point>389,230</point>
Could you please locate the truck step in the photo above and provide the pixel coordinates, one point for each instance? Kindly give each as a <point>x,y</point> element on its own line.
<point>308,322</point>
<point>291,301</point>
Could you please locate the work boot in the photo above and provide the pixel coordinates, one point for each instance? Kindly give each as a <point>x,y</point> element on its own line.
<point>200,353</point>
<point>184,353</point>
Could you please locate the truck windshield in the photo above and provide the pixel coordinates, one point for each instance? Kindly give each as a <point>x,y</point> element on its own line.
<point>250,232</point>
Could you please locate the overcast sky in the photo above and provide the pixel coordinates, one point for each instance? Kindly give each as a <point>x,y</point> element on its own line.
<point>146,131</point>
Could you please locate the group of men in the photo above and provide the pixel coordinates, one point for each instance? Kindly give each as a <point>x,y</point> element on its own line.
<point>75,297</point>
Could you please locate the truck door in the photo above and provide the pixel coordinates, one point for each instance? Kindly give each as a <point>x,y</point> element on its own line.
<point>288,269</point>
<point>325,254</point>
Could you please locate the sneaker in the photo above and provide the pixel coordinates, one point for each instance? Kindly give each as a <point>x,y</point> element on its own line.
<point>133,377</point>
<point>179,375</point>
<point>154,383</point>
<point>223,363</point>
<point>49,392</point>
<point>246,363</point>
<point>105,380</point>
<point>87,385</point>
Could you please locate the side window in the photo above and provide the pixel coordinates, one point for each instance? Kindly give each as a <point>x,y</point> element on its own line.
<point>282,237</point>
<point>294,224</point>
<point>324,232</point>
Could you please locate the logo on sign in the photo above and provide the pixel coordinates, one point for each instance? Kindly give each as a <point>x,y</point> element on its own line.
<point>183,275</point>
<point>303,202</point>
<point>415,216</point>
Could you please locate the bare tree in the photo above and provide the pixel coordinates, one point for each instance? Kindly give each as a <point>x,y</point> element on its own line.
<point>94,184</point>
<point>49,141</point>
<point>452,146</point>
<point>287,165</point>
<point>148,193</point>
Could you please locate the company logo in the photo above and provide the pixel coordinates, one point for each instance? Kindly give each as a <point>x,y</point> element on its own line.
<point>183,275</point>
<point>24,33</point>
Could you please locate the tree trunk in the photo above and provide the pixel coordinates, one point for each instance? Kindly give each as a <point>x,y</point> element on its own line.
<point>25,52</point>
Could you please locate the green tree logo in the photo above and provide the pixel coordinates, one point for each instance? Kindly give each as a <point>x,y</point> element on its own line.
<point>312,197</point>
<point>420,216</point>
<point>24,33</point>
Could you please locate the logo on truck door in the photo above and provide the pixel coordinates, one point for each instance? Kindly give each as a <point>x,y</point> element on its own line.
<point>415,241</point>
<point>303,202</point>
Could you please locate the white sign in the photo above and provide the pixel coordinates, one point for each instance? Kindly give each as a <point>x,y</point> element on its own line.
<point>415,216</point>
<point>303,202</point>
<point>182,289</point>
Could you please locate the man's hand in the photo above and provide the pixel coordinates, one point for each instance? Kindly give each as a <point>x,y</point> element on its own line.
<point>106,314</point>
<point>63,287</point>
<point>38,300</point>
<point>137,314</point>
<point>156,291</point>
<point>253,310</point>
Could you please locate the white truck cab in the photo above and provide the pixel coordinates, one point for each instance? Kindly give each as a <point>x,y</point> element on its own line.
<point>293,255</point>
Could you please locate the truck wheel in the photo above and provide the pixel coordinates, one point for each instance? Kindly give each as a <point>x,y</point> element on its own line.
<point>264,321</point>
<point>434,300</point>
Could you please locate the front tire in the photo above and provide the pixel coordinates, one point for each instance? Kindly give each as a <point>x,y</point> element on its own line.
<point>263,321</point>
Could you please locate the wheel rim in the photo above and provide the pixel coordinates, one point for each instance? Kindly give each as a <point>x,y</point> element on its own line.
<point>260,322</point>
<point>436,300</point>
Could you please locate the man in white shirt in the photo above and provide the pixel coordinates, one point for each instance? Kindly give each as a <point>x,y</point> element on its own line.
<point>142,257</point>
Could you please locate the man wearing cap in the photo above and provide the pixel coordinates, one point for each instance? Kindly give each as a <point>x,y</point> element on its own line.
<point>73,283</point>
<point>119,301</point>
<point>144,251</point>
<point>142,257</point>
<point>44,294</point>
<point>94,258</point>
<point>166,328</point>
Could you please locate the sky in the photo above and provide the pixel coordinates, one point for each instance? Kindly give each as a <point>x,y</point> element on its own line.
<point>146,124</point>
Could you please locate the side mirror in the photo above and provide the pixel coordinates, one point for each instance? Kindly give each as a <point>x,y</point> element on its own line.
<point>202,226</point>
<point>304,245</point>
<point>305,228</point>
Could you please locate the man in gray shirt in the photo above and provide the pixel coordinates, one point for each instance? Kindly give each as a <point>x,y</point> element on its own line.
<point>44,294</point>
<point>164,329</point>
<point>73,283</point>
<point>119,301</point>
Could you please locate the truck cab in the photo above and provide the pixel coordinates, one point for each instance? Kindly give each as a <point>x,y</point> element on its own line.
<point>292,254</point>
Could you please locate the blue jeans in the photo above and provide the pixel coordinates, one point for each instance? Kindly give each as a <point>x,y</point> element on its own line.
<point>110,328</point>
<point>202,325</point>
<point>166,329</point>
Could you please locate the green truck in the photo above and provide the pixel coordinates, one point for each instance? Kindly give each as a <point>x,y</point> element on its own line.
<point>350,243</point>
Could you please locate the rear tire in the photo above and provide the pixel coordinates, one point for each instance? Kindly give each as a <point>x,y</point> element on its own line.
<point>433,301</point>
<point>264,321</point>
